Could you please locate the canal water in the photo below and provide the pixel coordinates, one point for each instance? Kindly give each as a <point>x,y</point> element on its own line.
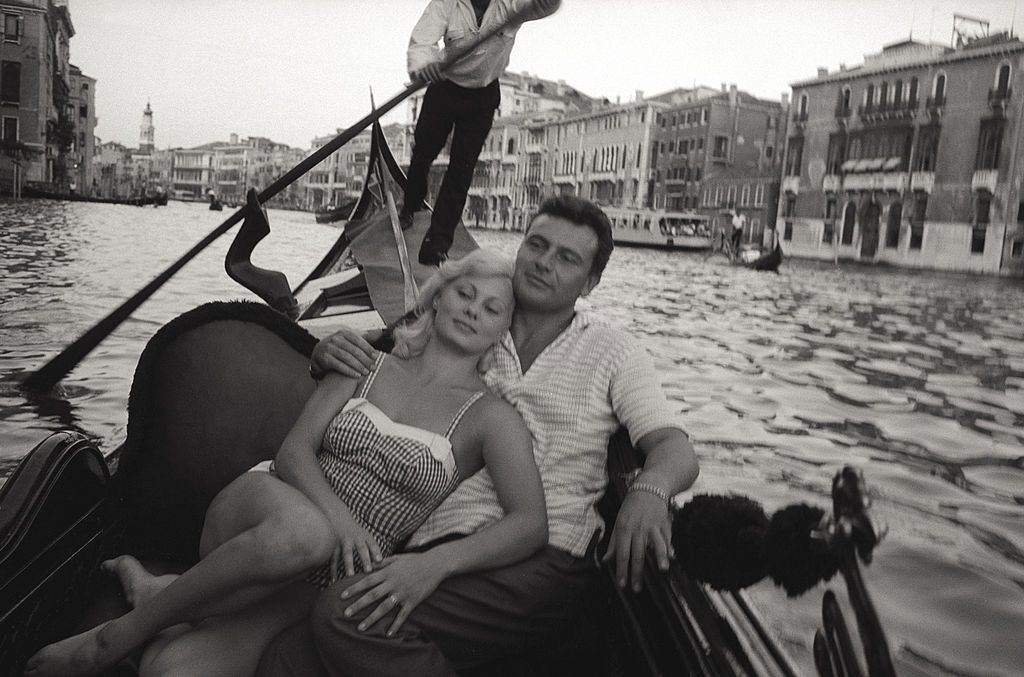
<point>916,378</point>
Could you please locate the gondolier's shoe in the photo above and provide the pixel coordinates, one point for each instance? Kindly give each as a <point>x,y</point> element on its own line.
<point>434,250</point>
<point>405,220</point>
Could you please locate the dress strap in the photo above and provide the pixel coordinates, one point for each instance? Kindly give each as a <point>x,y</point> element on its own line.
<point>462,411</point>
<point>368,381</point>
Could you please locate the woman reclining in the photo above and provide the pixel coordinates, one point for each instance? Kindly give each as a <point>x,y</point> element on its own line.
<point>363,466</point>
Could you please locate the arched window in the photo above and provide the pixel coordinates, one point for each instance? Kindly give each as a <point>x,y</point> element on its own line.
<point>1002,81</point>
<point>939,90</point>
<point>849,221</point>
<point>892,230</point>
<point>803,105</point>
<point>912,95</point>
<point>883,94</point>
<point>897,92</point>
<point>869,97</point>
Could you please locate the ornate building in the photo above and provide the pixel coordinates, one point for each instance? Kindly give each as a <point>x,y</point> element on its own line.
<point>911,158</point>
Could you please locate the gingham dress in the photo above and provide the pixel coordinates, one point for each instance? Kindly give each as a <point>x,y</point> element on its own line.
<point>390,475</point>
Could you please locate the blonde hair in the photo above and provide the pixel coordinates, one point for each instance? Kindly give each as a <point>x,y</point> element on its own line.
<point>411,337</point>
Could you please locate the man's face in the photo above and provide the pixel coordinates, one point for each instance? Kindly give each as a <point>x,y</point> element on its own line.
<point>553,264</point>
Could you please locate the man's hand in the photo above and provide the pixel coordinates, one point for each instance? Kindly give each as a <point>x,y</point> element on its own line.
<point>546,6</point>
<point>430,73</point>
<point>400,584</point>
<point>643,525</point>
<point>345,352</point>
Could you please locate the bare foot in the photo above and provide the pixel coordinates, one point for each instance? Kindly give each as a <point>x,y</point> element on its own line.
<point>138,584</point>
<point>78,656</point>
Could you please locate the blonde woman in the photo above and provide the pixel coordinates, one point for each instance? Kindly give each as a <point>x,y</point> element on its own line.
<point>364,465</point>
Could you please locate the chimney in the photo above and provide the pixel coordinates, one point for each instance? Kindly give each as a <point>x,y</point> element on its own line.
<point>618,99</point>
<point>639,95</point>
<point>842,67</point>
<point>784,100</point>
<point>560,88</point>
<point>234,139</point>
<point>822,72</point>
<point>724,90</point>
<point>733,96</point>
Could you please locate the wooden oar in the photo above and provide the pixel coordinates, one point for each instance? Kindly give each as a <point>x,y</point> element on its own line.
<point>57,368</point>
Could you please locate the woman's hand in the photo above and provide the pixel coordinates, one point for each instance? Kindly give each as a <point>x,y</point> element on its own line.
<point>346,352</point>
<point>352,540</point>
<point>400,584</point>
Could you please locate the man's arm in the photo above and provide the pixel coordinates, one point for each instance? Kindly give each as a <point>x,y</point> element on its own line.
<point>423,50</point>
<point>644,521</point>
<point>538,9</point>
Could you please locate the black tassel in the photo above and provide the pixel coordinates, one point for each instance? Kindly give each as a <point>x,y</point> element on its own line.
<point>720,540</point>
<point>796,559</point>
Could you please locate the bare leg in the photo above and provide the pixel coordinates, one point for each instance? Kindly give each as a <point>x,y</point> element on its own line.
<point>267,551</point>
<point>137,583</point>
<point>228,646</point>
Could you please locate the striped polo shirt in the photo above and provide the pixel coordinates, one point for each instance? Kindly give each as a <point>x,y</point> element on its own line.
<point>582,386</point>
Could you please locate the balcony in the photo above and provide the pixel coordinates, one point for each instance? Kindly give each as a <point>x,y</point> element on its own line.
<point>985,179</point>
<point>832,183</point>
<point>887,110</point>
<point>843,112</point>
<point>998,98</point>
<point>791,184</point>
<point>922,181</point>
<point>934,105</point>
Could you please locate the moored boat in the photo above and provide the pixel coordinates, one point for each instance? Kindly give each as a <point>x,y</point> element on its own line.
<point>334,214</point>
<point>659,229</point>
<point>66,507</point>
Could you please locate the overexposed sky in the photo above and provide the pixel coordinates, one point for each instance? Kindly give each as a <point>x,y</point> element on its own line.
<point>294,69</point>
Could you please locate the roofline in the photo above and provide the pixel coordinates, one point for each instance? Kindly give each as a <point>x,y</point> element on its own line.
<point>959,55</point>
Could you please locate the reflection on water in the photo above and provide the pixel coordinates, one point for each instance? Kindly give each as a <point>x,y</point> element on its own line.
<point>917,378</point>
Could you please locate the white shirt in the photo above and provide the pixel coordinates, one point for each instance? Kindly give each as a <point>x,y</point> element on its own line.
<point>455,21</point>
<point>580,388</point>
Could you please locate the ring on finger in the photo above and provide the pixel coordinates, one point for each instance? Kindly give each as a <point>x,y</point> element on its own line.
<point>394,600</point>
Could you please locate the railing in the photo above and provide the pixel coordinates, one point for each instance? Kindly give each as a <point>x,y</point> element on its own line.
<point>998,97</point>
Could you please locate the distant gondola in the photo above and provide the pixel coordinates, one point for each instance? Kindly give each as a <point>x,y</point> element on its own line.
<point>334,214</point>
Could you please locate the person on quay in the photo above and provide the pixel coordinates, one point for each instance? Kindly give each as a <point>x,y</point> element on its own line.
<point>365,463</point>
<point>460,100</point>
<point>574,381</point>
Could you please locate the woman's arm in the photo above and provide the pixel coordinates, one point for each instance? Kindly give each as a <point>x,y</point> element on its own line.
<point>406,580</point>
<point>296,464</point>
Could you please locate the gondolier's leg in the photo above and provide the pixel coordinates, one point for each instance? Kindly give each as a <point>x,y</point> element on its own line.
<point>474,117</point>
<point>468,622</point>
<point>434,124</point>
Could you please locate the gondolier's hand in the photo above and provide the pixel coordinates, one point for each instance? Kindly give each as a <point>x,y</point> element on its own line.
<point>643,526</point>
<point>353,540</point>
<point>400,584</point>
<point>430,73</point>
<point>346,352</point>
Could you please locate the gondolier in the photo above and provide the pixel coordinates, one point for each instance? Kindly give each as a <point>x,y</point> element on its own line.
<point>460,100</point>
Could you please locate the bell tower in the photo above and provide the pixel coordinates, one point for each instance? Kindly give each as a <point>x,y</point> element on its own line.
<point>146,132</point>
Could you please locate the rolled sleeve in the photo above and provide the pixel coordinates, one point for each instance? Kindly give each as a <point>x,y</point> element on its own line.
<point>533,14</point>
<point>429,30</point>
<point>637,398</point>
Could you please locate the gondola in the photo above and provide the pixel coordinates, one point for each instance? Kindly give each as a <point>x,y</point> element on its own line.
<point>769,261</point>
<point>68,506</point>
<point>33,191</point>
<point>332,215</point>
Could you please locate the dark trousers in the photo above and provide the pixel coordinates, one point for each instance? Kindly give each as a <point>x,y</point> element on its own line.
<point>470,113</point>
<point>468,622</point>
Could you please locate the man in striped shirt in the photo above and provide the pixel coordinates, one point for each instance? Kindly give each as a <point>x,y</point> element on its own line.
<point>574,381</point>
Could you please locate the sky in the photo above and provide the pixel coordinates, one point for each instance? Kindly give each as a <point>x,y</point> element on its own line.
<point>292,70</point>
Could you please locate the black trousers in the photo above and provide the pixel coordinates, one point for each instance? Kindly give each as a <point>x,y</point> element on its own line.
<point>467,114</point>
<point>469,621</point>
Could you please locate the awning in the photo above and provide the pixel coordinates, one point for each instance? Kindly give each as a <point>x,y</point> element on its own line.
<point>848,166</point>
<point>892,163</point>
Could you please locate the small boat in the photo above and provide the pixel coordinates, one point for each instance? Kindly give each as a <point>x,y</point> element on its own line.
<point>194,397</point>
<point>39,192</point>
<point>659,229</point>
<point>333,214</point>
<point>769,260</point>
<point>215,204</point>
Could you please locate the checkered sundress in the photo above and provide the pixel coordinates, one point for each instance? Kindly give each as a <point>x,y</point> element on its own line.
<point>390,475</point>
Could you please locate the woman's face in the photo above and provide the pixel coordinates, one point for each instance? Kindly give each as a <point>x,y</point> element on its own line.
<point>474,311</point>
